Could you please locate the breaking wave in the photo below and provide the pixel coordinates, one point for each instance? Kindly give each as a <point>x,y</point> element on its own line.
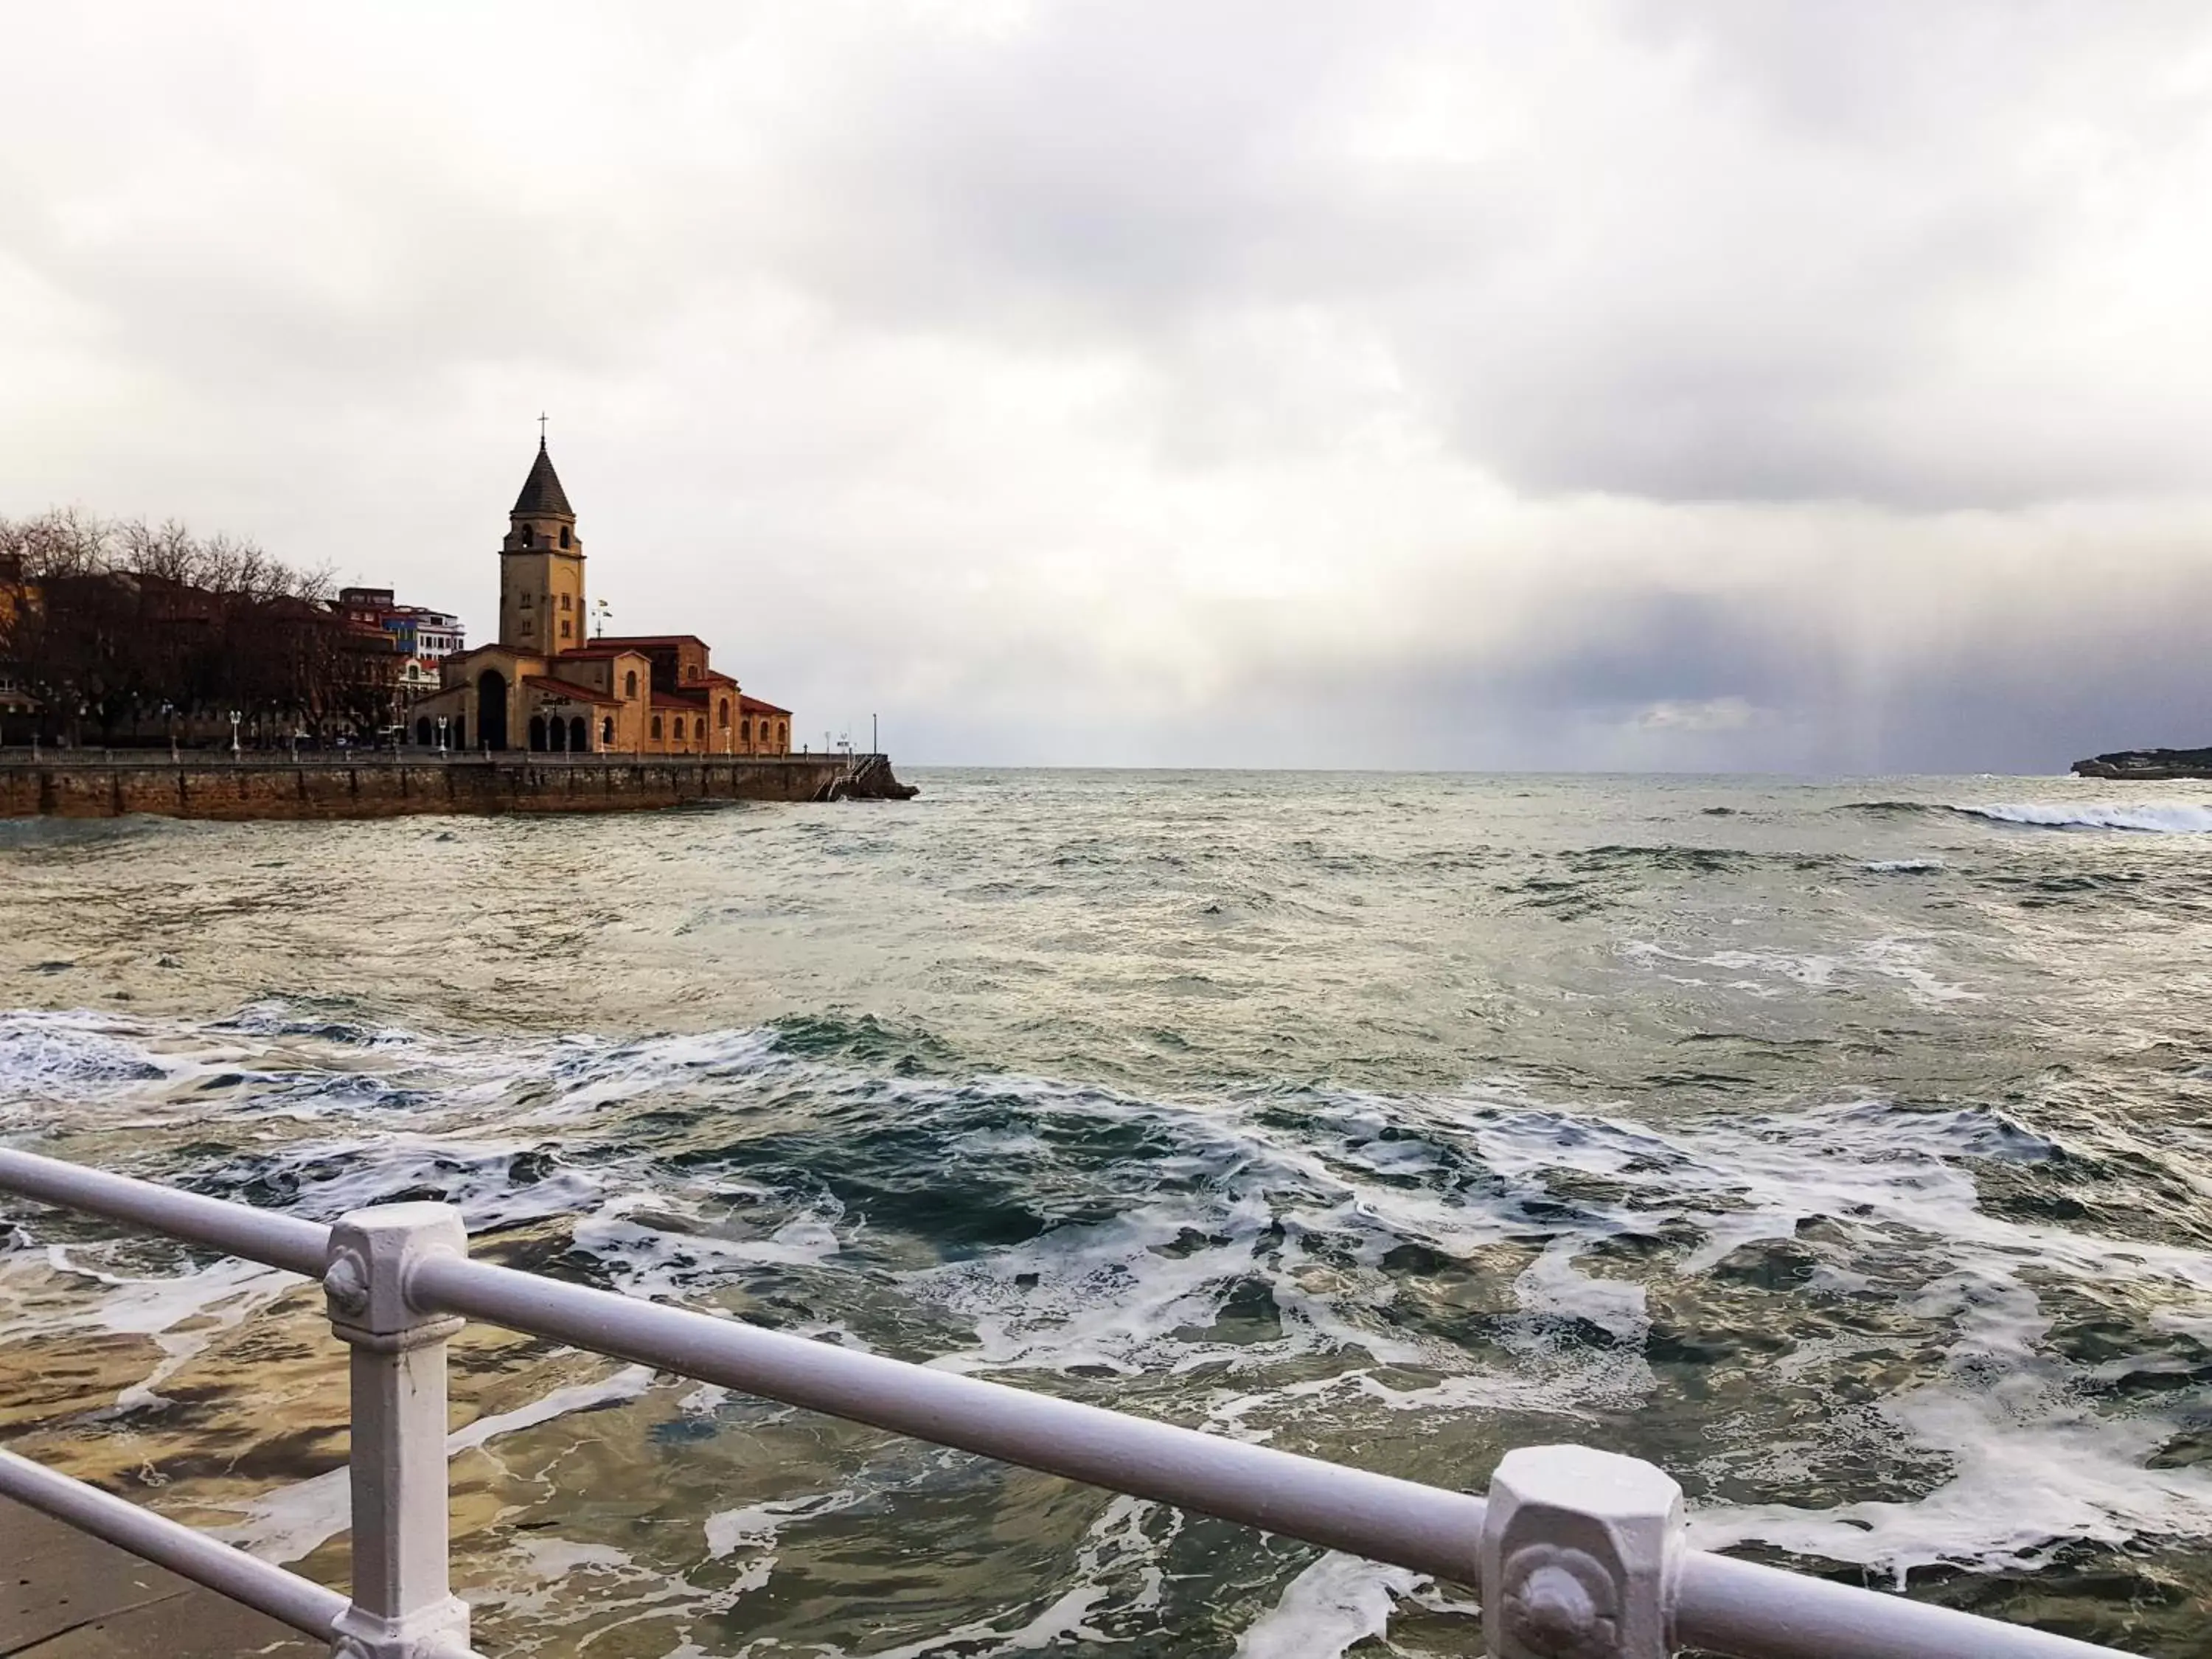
<point>2175,820</point>
<point>2147,817</point>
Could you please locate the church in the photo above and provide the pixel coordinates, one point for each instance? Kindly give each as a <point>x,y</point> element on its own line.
<point>547,687</point>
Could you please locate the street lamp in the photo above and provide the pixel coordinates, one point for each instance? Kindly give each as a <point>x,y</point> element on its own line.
<point>441,734</point>
<point>235,718</point>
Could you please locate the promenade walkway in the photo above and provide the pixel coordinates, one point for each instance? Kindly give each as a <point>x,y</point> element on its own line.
<point>65,1595</point>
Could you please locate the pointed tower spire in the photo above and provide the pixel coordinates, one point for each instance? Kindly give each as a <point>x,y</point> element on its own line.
<point>542,494</point>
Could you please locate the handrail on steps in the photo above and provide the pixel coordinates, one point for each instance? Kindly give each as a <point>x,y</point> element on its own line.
<point>1576,1553</point>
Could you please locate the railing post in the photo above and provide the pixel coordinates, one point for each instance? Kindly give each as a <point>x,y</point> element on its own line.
<point>1579,1554</point>
<point>402,1605</point>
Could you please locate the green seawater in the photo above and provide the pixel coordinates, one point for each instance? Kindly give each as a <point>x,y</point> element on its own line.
<point>1844,1146</point>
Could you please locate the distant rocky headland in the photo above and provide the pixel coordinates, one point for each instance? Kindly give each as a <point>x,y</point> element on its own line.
<point>2148,764</point>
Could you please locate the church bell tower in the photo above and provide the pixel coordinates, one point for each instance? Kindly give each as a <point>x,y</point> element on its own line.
<point>541,567</point>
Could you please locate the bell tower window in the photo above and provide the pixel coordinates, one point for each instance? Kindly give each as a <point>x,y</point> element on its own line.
<point>564,535</point>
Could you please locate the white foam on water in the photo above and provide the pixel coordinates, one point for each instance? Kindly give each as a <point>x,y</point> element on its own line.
<point>475,1174</point>
<point>76,1056</point>
<point>1891,956</point>
<point>1116,1565</point>
<point>180,1314</point>
<point>673,1251</point>
<point>2148,818</point>
<point>1338,1601</point>
<point>1105,1294</point>
<point>2033,1460</point>
<point>1902,867</point>
<point>2031,1464</point>
<point>592,1074</point>
<point>292,1522</point>
<point>757,1525</point>
<point>1065,1620</point>
<point>556,1557</point>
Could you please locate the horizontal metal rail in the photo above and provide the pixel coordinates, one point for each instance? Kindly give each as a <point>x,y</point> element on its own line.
<point>1755,1612</point>
<point>1714,1602</point>
<point>1425,1527</point>
<point>263,1235</point>
<point>299,1602</point>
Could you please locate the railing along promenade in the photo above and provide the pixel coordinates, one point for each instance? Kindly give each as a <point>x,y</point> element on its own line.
<point>1575,1553</point>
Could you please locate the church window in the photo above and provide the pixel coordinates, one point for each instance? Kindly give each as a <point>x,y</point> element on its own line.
<point>746,733</point>
<point>680,728</point>
<point>607,731</point>
<point>656,728</point>
<point>630,684</point>
<point>564,628</point>
<point>565,606</point>
<point>525,599</point>
<point>723,710</point>
<point>564,535</point>
<point>782,734</point>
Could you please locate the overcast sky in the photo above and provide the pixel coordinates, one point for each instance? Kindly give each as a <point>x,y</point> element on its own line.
<point>1811,387</point>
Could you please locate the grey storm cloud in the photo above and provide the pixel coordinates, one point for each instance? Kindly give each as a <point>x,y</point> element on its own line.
<point>1609,385</point>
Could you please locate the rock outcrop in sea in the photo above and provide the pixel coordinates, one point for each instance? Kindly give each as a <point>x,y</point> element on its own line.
<point>2148,764</point>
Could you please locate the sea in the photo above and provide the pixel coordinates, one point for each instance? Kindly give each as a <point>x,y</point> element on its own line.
<point>1843,1145</point>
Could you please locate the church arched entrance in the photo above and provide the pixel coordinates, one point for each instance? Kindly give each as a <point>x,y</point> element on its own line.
<point>422,731</point>
<point>537,734</point>
<point>580,739</point>
<point>491,709</point>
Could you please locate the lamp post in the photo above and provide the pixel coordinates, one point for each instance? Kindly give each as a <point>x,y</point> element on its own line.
<point>441,736</point>
<point>235,716</point>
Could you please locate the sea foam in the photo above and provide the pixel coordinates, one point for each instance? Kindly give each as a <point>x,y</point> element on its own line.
<point>2175,819</point>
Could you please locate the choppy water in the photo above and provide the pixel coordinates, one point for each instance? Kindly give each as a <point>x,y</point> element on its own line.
<point>1844,1147</point>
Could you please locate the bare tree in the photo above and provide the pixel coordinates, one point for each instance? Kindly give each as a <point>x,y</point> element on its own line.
<point>140,631</point>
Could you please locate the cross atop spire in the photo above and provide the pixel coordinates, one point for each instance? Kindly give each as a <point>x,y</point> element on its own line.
<point>541,430</point>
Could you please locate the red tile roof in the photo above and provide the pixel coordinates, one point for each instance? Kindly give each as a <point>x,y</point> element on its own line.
<point>647,639</point>
<point>691,699</point>
<point>755,706</point>
<point>568,689</point>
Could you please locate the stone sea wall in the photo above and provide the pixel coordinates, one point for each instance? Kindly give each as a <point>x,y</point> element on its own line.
<point>375,787</point>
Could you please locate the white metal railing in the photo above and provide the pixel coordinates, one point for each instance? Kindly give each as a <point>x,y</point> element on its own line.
<point>1576,1553</point>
